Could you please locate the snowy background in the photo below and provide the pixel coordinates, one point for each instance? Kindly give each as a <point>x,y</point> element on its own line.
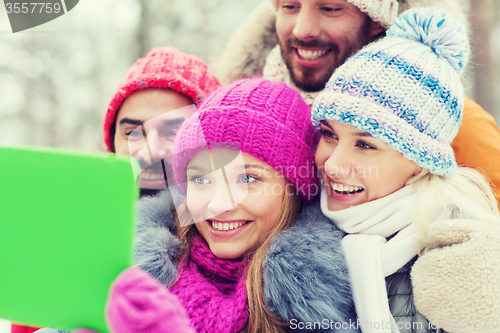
<point>56,79</point>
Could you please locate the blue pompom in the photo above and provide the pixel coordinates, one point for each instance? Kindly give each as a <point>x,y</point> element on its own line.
<point>436,28</point>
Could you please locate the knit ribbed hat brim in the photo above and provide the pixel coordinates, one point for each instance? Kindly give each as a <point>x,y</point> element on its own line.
<point>394,131</point>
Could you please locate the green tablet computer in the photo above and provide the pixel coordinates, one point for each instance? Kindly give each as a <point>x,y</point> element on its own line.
<point>66,230</point>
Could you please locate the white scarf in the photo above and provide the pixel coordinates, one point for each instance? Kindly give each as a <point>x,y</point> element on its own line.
<point>370,257</point>
<point>275,70</point>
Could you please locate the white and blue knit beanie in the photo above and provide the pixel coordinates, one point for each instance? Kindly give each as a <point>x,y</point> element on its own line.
<point>405,88</point>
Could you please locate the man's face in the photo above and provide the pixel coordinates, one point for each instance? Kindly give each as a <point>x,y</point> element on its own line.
<point>317,36</point>
<point>157,113</point>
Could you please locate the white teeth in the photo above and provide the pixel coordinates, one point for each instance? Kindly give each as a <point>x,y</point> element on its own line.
<point>149,176</point>
<point>227,226</point>
<point>344,188</point>
<point>311,55</point>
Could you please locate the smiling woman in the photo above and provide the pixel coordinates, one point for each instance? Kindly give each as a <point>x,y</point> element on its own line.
<point>233,216</point>
<point>357,167</point>
<point>232,175</point>
<point>396,106</point>
<point>236,160</point>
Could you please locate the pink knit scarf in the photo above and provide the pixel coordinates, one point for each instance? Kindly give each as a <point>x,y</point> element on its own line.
<point>213,290</point>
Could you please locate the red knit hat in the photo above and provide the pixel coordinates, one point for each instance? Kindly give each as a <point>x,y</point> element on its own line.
<point>163,67</point>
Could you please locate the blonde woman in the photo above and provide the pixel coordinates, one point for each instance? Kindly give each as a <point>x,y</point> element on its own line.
<point>387,118</point>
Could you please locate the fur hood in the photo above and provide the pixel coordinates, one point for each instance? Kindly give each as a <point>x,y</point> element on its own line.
<point>155,243</point>
<point>305,275</point>
<point>245,53</point>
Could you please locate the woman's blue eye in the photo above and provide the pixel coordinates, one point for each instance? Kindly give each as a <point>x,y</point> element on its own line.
<point>364,145</point>
<point>329,135</point>
<point>246,179</point>
<point>200,180</point>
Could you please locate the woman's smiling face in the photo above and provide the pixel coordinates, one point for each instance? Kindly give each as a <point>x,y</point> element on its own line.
<point>234,207</point>
<point>358,168</point>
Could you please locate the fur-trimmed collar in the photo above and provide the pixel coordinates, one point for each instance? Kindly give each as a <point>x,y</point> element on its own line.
<point>155,243</point>
<point>245,53</point>
<point>305,275</point>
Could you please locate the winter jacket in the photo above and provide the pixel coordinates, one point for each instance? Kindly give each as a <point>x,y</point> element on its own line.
<point>477,144</point>
<point>400,295</point>
<point>305,276</point>
<point>250,44</point>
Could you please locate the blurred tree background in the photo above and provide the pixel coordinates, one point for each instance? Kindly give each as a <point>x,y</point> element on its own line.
<point>56,79</point>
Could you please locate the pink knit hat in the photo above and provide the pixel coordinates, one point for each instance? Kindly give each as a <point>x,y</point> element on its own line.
<point>265,119</point>
<point>163,67</point>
